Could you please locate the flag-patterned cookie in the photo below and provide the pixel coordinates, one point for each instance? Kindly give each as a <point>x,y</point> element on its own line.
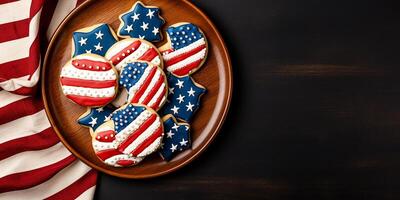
<point>183,98</point>
<point>94,117</point>
<point>142,22</point>
<point>186,49</point>
<point>89,80</point>
<point>176,138</point>
<point>146,84</point>
<point>96,39</point>
<point>131,50</point>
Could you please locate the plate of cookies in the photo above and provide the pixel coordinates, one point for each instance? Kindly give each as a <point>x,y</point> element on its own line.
<point>137,89</point>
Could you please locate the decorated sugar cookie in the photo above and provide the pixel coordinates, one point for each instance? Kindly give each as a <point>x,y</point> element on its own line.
<point>96,39</point>
<point>176,138</point>
<point>142,22</point>
<point>105,147</point>
<point>184,97</point>
<point>89,80</point>
<point>186,49</point>
<point>94,117</point>
<point>131,50</point>
<point>145,83</point>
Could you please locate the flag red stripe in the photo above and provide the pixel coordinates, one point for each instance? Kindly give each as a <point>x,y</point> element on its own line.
<point>105,154</point>
<point>125,163</point>
<point>132,48</point>
<point>23,180</point>
<point>39,141</point>
<point>149,55</point>
<point>183,56</point>
<point>91,65</point>
<point>26,90</point>
<point>102,136</point>
<point>77,188</point>
<point>156,104</point>
<point>87,83</point>
<point>186,69</point>
<point>154,90</point>
<point>90,101</point>
<point>14,30</point>
<point>137,133</point>
<point>21,108</point>
<point>148,141</point>
<point>145,84</point>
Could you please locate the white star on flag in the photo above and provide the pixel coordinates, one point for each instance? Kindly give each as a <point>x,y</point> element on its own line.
<point>173,148</point>
<point>135,16</point>
<point>155,31</point>
<point>99,35</point>
<point>183,142</point>
<point>189,107</point>
<point>175,109</point>
<point>98,47</point>
<point>93,122</point>
<point>82,41</point>
<point>129,28</point>
<point>150,14</point>
<point>179,84</point>
<point>145,26</point>
<point>191,92</point>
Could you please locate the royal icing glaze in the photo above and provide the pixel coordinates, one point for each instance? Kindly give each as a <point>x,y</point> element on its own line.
<point>183,98</point>
<point>176,138</point>
<point>186,49</point>
<point>142,22</point>
<point>94,117</point>
<point>96,39</point>
<point>89,80</point>
<point>131,50</point>
<point>146,84</point>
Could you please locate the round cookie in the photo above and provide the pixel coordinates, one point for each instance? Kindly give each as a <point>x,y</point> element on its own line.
<point>89,80</point>
<point>133,49</point>
<point>145,84</point>
<point>186,49</point>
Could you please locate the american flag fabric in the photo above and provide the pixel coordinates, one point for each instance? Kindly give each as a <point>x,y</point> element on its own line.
<point>142,22</point>
<point>130,50</point>
<point>34,164</point>
<point>186,50</point>
<point>176,138</point>
<point>146,84</point>
<point>89,80</point>
<point>133,133</point>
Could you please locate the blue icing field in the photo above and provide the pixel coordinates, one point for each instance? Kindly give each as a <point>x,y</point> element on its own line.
<point>184,35</point>
<point>131,74</point>
<point>142,22</point>
<point>124,117</point>
<point>176,138</point>
<point>97,41</point>
<point>96,117</point>
<point>183,98</point>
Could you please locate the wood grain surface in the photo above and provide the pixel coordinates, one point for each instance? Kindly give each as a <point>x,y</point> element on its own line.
<point>215,75</point>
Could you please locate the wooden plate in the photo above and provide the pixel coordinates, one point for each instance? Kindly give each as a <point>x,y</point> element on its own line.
<point>215,75</point>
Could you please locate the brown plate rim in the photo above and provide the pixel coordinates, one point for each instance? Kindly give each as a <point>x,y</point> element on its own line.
<point>225,110</point>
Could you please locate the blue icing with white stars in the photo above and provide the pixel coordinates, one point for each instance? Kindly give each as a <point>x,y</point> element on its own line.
<point>142,22</point>
<point>176,139</point>
<point>97,41</point>
<point>183,97</point>
<point>122,118</point>
<point>96,117</point>
<point>184,35</point>
<point>131,74</point>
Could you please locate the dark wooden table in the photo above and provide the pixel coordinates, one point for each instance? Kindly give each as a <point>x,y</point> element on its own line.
<point>315,111</point>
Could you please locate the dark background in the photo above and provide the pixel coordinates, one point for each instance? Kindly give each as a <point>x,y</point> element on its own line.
<point>315,111</point>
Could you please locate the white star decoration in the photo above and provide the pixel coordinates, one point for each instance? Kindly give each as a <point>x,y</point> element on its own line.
<point>135,16</point>
<point>82,41</point>
<point>183,142</point>
<point>150,14</point>
<point>129,28</point>
<point>170,134</point>
<point>141,37</point>
<point>98,47</point>
<point>100,109</point>
<point>191,92</point>
<point>175,109</point>
<point>99,35</point>
<point>88,51</point>
<point>145,26</point>
<point>155,31</point>
<point>175,127</point>
<point>173,148</point>
<point>171,90</point>
<point>106,118</point>
<point>189,106</point>
<point>179,84</point>
<point>180,98</point>
<point>93,122</point>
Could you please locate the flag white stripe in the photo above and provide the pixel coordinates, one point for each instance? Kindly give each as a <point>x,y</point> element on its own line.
<point>72,72</point>
<point>133,56</point>
<point>138,84</point>
<point>63,8</point>
<point>88,194</point>
<point>150,148</point>
<point>89,92</point>
<point>19,48</point>
<point>24,126</point>
<point>8,98</point>
<point>147,133</point>
<point>58,182</point>
<point>198,56</point>
<point>133,126</point>
<point>160,92</point>
<point>183,50</point>
<point>30,160</point>
<point>150,86</point>
<point>15,11</point>
<point>24,81</point>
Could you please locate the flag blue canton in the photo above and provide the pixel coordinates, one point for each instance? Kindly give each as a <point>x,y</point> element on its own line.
<point>183,98</point>
<point>176,138</point>
<point>97,41</point>
<point>142,22</point>
<point>184,35</point>
<point>131,74</point>
<point>122,118</point>
<point>96,117</point>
